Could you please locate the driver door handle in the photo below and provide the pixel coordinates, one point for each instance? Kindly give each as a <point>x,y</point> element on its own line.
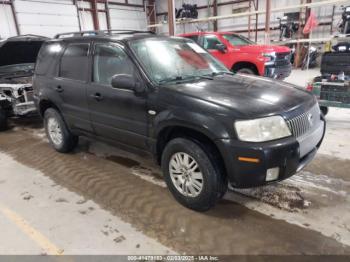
<point>59,89</point>
<point>97,96</point>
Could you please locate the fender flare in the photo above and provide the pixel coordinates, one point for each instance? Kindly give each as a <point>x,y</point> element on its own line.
<point>199,122</point>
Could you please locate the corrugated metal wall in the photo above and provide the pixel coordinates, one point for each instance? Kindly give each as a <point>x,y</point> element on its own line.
<point>7,23</point>
<point>49,17</point>
<point>124,17</point>
<point>46,17</point>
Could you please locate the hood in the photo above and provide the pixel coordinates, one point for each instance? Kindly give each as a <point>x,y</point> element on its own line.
<point>249,96</point>
<point>20,50</point>
<point>263,48</point>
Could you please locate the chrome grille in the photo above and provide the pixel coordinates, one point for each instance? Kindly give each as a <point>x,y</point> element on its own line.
<point>305,122</point>
<point>282,59</point>
<point>282,55</point>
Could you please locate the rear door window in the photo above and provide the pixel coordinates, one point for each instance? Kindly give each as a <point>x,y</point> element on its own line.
<point>74,62</point>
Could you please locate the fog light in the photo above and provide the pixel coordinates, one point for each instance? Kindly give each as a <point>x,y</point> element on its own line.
<point>272,173</point>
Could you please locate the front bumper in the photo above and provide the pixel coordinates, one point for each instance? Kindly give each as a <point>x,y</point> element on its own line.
<point>288,154</point>
<point>24,109</point>
<point>278,72</point>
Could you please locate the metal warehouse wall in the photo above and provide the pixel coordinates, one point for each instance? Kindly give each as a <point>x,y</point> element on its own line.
<point>49,17</point>
<point>7,23</point>
<point>46,17</point>
<point>241,23</point>
<point>125,17</point>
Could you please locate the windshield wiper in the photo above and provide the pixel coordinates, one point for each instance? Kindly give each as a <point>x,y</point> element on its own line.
<point>221,73</point>
<point>171,79</point>
<point>185,78</point>
<point>208,77</point>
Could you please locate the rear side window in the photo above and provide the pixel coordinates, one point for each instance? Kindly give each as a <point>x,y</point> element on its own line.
<point>47,55</point>
<point>74,62</point>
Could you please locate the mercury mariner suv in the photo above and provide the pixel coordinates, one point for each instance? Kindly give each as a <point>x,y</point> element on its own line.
<point>167,96</point>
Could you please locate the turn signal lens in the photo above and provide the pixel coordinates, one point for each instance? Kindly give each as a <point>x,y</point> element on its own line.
<point>309,87</point>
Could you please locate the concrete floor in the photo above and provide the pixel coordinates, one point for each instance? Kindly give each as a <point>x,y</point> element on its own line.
<point>37,216</point>
<point>101,200</point>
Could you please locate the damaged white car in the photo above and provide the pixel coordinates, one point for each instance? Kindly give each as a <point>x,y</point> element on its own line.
<point>17,60</point>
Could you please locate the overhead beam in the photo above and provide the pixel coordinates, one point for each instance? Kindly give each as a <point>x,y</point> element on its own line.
<point>91,10</point>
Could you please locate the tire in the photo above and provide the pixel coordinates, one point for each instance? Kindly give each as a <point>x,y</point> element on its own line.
<point>324,110</point>
<point>3,120</point>
<point>335,62</point>
<point>57,132</point>
<point>214,184</point>
<point>247,71</point>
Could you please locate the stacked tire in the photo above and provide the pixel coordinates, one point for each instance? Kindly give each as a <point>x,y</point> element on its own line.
<point>335,62</point>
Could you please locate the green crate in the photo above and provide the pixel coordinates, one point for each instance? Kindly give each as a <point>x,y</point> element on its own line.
<point>332,94</point>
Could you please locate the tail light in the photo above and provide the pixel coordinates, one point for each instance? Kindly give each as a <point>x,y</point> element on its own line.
<point>309,87</point>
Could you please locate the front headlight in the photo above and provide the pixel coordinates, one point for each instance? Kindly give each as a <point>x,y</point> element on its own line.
<point>262,129</point>
<point>269,57</point>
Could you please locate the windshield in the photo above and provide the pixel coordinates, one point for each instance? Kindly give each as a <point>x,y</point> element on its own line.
<point>9,69</point>
<point>167,60</point>
<point>237,40</point>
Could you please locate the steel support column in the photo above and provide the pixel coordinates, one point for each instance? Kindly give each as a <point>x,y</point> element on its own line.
<point>14,14</point>
<point>108,15</point>
<point>307,15</point>
<point>78,14</point>
<point>95,14</point>
<point>256,6</point>
<point>150,7</point>
<point>267,21</point>
<point>215,13</point>
<point>171,17</point>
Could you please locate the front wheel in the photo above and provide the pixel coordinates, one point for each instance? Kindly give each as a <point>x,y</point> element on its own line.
<point>57,132</point>
<point>192,175</point>
<point>247,71</point>
<point>3,119</point>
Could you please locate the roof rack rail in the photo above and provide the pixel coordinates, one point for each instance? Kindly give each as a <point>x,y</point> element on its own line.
<point>28,36</point>
<point>101,33</point>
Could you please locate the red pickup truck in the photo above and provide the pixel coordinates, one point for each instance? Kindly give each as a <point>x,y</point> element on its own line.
<point>240,54</point>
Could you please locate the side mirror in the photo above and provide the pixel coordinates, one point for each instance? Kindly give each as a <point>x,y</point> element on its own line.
<point>221,47</point>
<point>128,82</point>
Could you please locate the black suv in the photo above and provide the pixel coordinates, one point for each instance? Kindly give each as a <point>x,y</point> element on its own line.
<point>205,126</point>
